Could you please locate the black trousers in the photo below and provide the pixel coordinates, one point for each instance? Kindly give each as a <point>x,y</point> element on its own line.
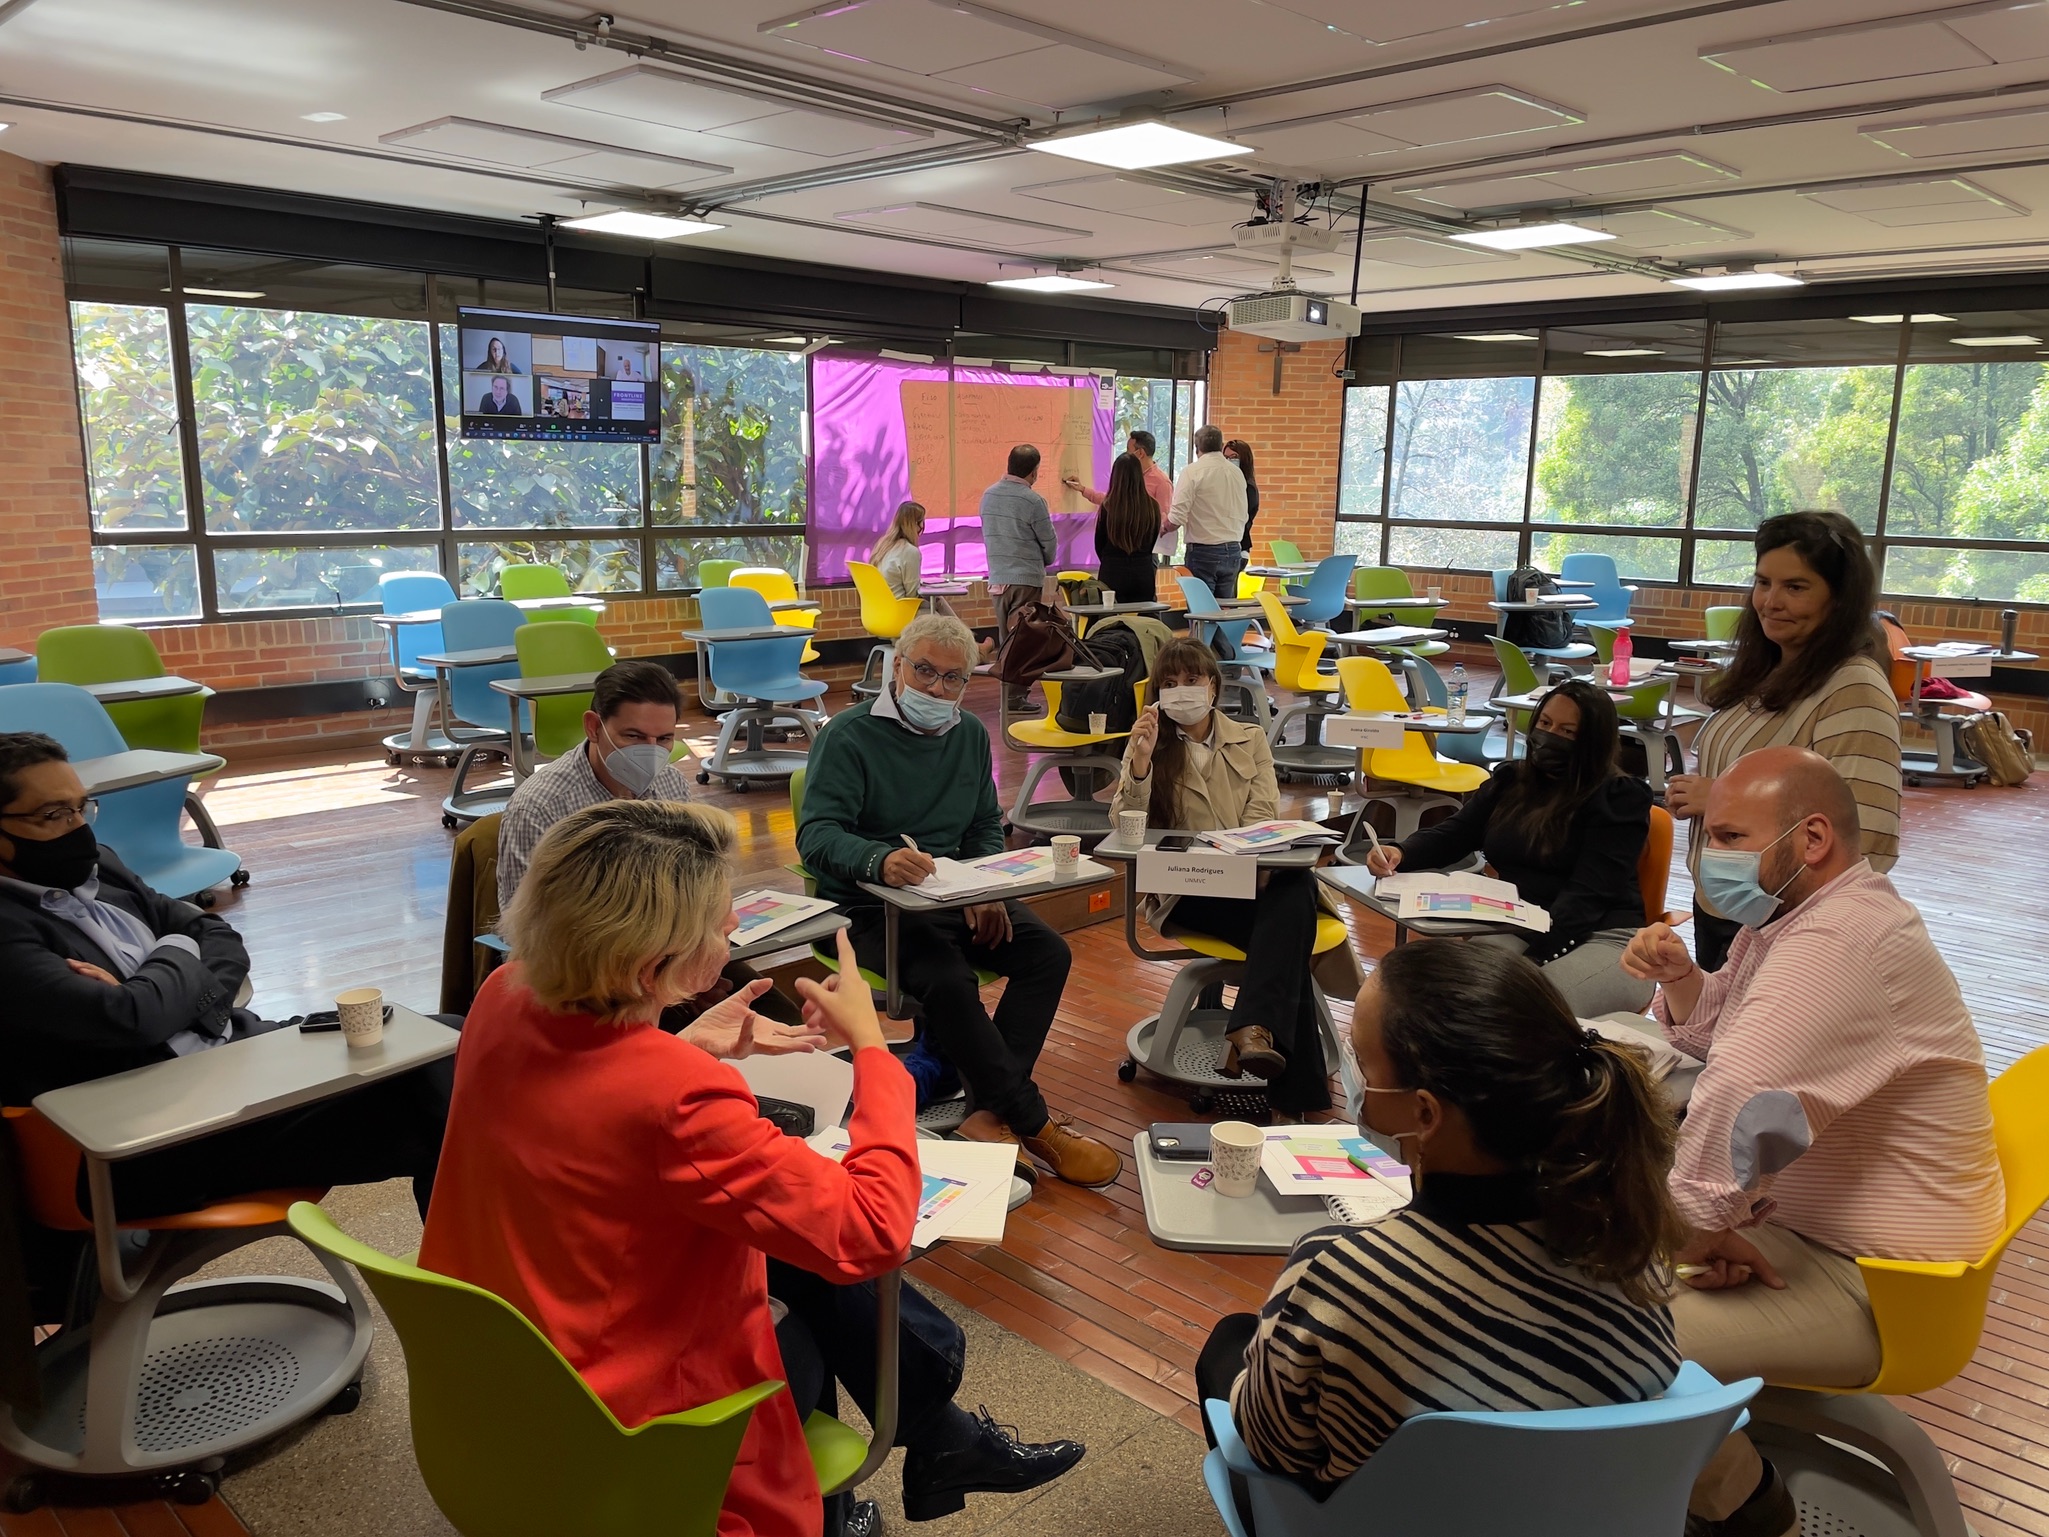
<point>1277,932</point>
<point>1712,937</point>
<point>936,957</point>
<point>1216,1369</point>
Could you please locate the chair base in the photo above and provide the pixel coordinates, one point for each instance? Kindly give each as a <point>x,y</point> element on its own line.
<point>463,804</point>
<point>1084,818</point>
<point>423,740</point>
<point>1309,756</point>
<point>178,1378</point>
<point>1409,806</point>
<point>873,671</point>
<point>1184,1043</point>
<point>741,766</point>
<point>1947,764</point>
<point>944,1115</point>
<point>1857,1466</point>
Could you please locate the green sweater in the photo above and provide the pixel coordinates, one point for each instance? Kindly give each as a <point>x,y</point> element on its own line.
<point>871,780</point>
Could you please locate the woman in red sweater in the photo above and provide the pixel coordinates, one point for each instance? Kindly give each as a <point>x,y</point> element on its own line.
<point>618,1185</point>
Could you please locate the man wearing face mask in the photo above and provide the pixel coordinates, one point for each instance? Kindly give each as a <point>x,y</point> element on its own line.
<point>103,974</point>
<point>1842,1111</point>
<point>895,783</point>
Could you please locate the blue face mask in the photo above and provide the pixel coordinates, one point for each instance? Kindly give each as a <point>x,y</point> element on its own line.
<point>1728,879</point>
<point>635,767</point>
<point>922,712</point>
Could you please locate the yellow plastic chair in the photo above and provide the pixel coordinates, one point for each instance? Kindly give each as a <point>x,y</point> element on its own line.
<point>777,586</point>
<point>1429,779</point>
<point>883,615</point>
<point>1930,1316</point>
<point>1056,747</point>
<point>1296,653</point>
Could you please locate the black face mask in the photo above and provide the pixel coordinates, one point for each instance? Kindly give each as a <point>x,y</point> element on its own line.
<point>1550,754</point>
<point>65,863</point>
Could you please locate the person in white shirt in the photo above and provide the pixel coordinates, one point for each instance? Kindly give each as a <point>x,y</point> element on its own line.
<point>1210,505</point>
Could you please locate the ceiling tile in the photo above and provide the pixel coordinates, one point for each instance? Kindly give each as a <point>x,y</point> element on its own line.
<point>1662,229</point>
<point>1058,77</point>
<point>960,223</point>
<point>501,144</point>
<point>1420,251</point>
<point>1896,205</point>
<point>1633,176</point>
<point>2009,33</point>
<point>827,135</point>
<point>1422,122</point>
<point>913,35</point>
<point>1240,266</point>
<point>647,93</point>
<point>1134,198</point>
<point>1894,48</point>
<point>1322,144</point>
<point>1966,134</point>
<point>1387,21</point>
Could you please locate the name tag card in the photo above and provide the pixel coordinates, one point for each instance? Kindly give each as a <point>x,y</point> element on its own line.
<point>1199,873</point>
<point>1961,667</point>
<point>1361,731</point>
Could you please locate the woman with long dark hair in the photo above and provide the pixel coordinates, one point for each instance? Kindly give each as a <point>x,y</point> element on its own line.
<point>1188,765</point>
<point>1126,528</point>
<point>1239,452</point>
<point>1531,1268</point>
<point>1565,826</point>
<point>1810,670</point>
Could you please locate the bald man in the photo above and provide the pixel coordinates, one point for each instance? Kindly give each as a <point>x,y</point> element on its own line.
<point>1842,1110</point>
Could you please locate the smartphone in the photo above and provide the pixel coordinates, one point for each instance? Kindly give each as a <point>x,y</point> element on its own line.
<point>1177,843</point>
<point>1182,1141</point>
<point>329,1019</point>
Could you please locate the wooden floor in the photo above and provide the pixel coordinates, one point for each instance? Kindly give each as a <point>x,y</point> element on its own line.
<point>350,864</point>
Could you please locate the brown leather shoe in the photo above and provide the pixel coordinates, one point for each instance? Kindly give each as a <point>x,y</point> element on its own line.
<point>1077,1159</point>
<point>1252,1051</point>
<point>985,1126</point>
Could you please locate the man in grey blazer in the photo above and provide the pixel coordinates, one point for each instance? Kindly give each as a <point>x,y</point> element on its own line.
<point>1017,531</point>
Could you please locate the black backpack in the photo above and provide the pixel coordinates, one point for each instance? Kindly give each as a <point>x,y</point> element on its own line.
<point>1541,631</point>
<point>1107,646</point>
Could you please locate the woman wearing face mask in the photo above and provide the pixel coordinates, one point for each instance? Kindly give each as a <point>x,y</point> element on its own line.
<point>1810,670</point>
<point>1531,1269</point>
<point>1188,765</point>
<point>1565,827</point>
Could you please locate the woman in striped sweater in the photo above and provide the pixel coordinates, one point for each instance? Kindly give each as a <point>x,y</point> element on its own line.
<point>1809,671</point>
<point>1529,1272</point>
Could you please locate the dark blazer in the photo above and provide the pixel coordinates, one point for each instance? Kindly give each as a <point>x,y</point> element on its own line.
<point>488,406</point>
<point>62,1028</point>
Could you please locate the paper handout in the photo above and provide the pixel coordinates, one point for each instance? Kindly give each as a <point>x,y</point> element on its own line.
<point>1435,894</point>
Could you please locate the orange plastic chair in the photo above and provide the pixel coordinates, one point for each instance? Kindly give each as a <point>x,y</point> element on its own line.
<point>1654,865</point>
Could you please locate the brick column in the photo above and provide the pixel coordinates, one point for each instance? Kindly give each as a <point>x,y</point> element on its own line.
<point>45,541</point>
<point>1294,435</point>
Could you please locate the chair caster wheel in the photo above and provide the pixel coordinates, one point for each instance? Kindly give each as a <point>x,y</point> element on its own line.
<point>1913,784</point>
<point>25,1492</point>
<point>741,787</point>
<point>204,900</point>
<point>704,779</point>
<point>449,820</point>
<point>192,1488</point>
<point>1202,1104</point>
<point>393,760</point>
<point>1127,1070</point>
<point>348,1400</point>
<point>239,878</point>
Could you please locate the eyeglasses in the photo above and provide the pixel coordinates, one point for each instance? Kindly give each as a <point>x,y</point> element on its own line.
<point>87,810</point>
<point>927,674</point>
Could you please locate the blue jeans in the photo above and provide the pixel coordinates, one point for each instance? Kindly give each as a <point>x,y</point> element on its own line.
<point>840,1323</point>
<point>1217,566</point>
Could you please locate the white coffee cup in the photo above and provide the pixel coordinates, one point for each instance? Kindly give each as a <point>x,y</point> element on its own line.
<point>1234,1156</point>
<point>1437,595</point>
<point>1066,857</point>
<point>362,1015</point>
<point>1099,723</point>
<point>1131,829</point>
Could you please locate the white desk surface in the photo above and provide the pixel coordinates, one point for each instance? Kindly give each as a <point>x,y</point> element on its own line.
<point>909,899</point>
<point>1357,883</point>
<point>573,600</point>
<point>1475,724</point>
<point>131,689</point>
<point>1081,674</point>
<point>1378,605</point>
<point>1930,654</point>
<point>177,1101</point>
<point>402,621</point>
<point>1286,573</point>
<point>142,766</point>
<point>1112,610</point>
<point>10,655</point>
<point>1570,582</point>
<point>479,656</point>
<point>1545,605</point>
<point>945,589</point>
<point>793,605</point>
<point>547,687</point>
<point>1293,857</point>
<point>750,632</point>
<point>1386,635</point>
<point>809,931</point>
<point>1181,1214</point>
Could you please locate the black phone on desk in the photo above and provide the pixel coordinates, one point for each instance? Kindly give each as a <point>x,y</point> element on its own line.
<point>1176,843</point>
<point>1180,1141</point>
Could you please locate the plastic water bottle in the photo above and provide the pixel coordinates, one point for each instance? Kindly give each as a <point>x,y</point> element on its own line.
<point>1455,704</point>
<point>1618,670</point>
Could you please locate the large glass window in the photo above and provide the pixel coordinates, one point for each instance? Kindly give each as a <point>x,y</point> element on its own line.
<point>252,576</point>
<point>128,401</point>
<point>1362,460</point>
<point>733,437</point>
<point>136,583</point>
<point>590,565</point>
<point>1783,439</point>
<point>1461,449</point>
<point>677,560</point>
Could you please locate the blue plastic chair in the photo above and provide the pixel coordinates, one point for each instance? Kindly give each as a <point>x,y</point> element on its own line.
<point>1608,591</point>
<point>408,592</point>
<point>474,625</point>
<point>1327,588</point>
<point>1244,685</point>
<point>1618,1471</point>
<point>767,679</point>
<point>18,672</point>
<point>141,825</point>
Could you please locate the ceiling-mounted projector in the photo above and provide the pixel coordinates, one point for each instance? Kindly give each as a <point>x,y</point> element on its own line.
<point>1293,317</point>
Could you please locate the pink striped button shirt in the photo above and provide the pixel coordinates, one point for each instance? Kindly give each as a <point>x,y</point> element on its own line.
<point>1844,1093</point>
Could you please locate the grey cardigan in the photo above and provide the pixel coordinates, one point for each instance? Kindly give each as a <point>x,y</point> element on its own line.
<point>1017,531</point>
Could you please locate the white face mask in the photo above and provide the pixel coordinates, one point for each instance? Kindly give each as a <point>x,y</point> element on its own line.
<point>1185,703</point>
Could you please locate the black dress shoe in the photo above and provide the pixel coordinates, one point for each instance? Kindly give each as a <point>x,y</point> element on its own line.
<point>995,1462</point>
<point>1769,1512</point>
<point>864,1520</point>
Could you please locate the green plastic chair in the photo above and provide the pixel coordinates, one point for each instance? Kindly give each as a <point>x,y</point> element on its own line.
<point>1603,637</point>
<point>114,653</point>
<point>1287,553</point>
<point>1518,676</point>
<point>1721,621</point>
<point>513,1443</point>
<point>1369,582</point>
<point>517,582</point>
<point>717,573</point>
<point>546,650</point>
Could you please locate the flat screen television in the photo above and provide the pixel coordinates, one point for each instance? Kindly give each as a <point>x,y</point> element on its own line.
<point>559,378</point>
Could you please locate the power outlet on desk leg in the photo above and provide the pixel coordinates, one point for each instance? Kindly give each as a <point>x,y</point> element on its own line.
<point>1099,901</point>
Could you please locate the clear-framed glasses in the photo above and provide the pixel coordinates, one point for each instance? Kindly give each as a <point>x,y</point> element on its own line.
<point>927,674</point>
<point>87,810</point>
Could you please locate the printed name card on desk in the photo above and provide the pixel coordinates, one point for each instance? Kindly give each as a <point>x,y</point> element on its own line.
<point>1198,873</point>
<point>1361,731</point>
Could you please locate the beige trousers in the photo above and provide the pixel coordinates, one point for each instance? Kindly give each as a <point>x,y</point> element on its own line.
<point>1818,1332</point>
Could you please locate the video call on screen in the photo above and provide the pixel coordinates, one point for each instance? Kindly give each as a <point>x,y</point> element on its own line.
<point>559,376</point>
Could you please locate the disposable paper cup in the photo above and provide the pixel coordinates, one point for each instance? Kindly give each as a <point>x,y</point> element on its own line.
<point>1437,595</point>
<point>1066,856</point>
<point>362,1015</point>
<point>1098,723</point>
<point>1234,1156</point>
<point>1131,829</point>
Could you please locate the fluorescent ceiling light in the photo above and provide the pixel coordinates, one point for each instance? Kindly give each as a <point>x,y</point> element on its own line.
<point>1730,282</point>
<point>1050,283</point>
<point>1529,236</point>
<point>1625,352</point>
<point>1138,146</point>
<point>1919,320</point>
<point>1492,336</point>
<point>1996,341</point>
<point>324,117</point>
<point>220,293</point>
<point>645,226</point>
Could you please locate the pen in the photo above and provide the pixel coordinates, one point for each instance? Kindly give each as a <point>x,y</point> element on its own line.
<point>910,843</point>
<point>1358,1163</point>
<point>1687,1272</point>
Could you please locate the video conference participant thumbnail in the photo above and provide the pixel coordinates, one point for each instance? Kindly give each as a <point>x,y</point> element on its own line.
<point>495,395</point>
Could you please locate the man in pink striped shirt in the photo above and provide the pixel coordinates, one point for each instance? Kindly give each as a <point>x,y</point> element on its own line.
<point>1842,1110</point>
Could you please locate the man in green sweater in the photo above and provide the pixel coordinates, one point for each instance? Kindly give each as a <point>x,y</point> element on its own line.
<point>892,785</point>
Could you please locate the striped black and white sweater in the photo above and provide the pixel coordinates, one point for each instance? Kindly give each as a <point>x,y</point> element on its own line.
<point>1450,1303</point>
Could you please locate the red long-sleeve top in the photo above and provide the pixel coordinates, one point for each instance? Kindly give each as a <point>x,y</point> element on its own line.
<point>617,1185</point>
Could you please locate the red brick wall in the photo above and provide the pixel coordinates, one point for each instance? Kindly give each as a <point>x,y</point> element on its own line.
<point>46,569</point>
<point>1293,435</point>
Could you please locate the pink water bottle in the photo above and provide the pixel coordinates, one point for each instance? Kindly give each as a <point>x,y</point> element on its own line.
<point>1618,670</point>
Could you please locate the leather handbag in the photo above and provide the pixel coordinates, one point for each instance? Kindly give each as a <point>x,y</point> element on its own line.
<point>1041,640</point>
